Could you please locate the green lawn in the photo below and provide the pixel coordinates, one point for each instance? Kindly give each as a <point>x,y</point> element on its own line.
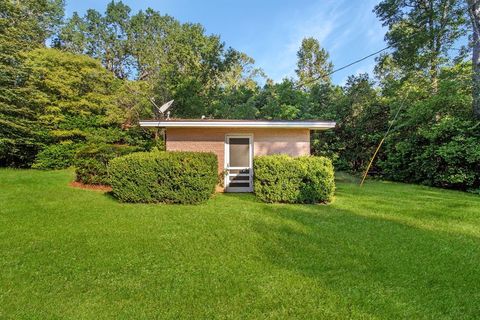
<point>383,251</point>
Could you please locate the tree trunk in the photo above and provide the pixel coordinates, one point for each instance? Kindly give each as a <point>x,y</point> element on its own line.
<point>434,51</point>
<point>474,10</point>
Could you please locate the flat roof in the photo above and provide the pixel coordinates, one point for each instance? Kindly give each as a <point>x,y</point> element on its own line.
<point>221,123</point>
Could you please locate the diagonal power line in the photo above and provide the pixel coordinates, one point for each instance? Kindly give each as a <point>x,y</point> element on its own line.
<point>468,8</point>
<point>345,66</point>
<point>359,60</point>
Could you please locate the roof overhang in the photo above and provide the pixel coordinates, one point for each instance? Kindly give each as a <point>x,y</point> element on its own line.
<point>284,124</point>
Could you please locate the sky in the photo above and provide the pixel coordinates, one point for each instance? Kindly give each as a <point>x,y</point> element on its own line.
<point>271,31</point>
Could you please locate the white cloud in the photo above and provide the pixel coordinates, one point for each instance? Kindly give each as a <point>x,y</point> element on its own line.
<point>347,30</point>
<point>323,21</point>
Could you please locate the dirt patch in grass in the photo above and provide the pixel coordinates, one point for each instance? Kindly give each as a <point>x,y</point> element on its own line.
<point>95,187</point>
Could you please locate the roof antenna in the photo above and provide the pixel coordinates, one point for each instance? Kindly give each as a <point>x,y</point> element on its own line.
<point>161,110</point>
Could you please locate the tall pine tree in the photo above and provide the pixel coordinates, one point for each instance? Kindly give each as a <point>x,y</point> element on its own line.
<point>313,65</point>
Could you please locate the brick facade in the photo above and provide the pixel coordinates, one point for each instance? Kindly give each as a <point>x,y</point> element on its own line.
<point>294,142</point>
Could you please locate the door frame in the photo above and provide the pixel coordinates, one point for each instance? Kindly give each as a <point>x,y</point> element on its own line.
<point>227,160</point>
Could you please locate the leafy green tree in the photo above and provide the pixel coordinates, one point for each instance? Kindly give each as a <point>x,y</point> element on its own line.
<point>422,32</point>
<point>238,70</point>
<point>133,99</point>
<point>236,103</point>
<point>71,93</point>
<point>73,35</point>
<point>24,25</point>
<point>150,35</point>
<point>322,102</point>
<point>104,37</point>
<point>362,117</point>
<point>179,61</point>
<point>193,65</point>
<point>196,69</point>
<point>117,56</point>
<point>74,100</point>
<point>281,101</point>
<point>313,64</point>
<point>434,140</point>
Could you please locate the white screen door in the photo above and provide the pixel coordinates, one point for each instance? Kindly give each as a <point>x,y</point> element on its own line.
<point>238,163</point>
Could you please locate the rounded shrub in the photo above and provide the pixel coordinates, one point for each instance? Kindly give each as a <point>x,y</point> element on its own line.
<point>91,161</point>
<point>164,177</point>
<point>281,178</point>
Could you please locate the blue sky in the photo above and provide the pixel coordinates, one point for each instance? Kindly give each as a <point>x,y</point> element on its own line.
<point>271,31</point>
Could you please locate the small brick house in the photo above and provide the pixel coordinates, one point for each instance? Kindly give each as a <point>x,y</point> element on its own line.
<point>236,142</point>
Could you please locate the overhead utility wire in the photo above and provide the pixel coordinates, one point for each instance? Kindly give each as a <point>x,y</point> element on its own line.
<point>402,103</point>
<point>366,57</point>
<point>359,60</point>
<point>398,110</point>
<point>345,66</point>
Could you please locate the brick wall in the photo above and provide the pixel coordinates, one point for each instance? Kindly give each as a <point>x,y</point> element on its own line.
<point>294,142</point>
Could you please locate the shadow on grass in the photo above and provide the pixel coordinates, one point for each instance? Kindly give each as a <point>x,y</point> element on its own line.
<point>241,196</point>
<point>110,196</point>
<point>384,268</point>
<point>386,250</point>
<point>453,212</point>
<point>341,176</point>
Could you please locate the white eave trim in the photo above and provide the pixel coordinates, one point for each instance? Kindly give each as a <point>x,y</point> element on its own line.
<point>312,125</point>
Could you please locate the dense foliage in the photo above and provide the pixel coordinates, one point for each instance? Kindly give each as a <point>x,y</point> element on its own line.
<point>56,156</point>
<point>179,60</point>
<point>24,25</point>
<point>439,142</point>
<point>166,177</point>
<point>281,178</point>
<point>91,161</point>
<point>101,71</point>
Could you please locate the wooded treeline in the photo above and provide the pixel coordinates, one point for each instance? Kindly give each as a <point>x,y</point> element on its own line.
<point>70,85</point>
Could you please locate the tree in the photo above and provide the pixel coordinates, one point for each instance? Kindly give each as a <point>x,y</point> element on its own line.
<point>72,94</point>
<point>422,32</point>
<point>434,140</point>
<point>236,103</point>
<point>151,35</point>
<point>313,65</point>
<point>281,101</point>
<point>238,70</point>
<point>78,102</point>
<point>104,37</point>
<point>117,47</point>
<point>24,25</point>
<point>474,11</point>
<point>179,61</point>
<point>362,119</point>
<point>72,35</point>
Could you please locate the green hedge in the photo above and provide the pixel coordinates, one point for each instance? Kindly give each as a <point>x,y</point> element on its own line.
<point>166,177</point>
<point>91,161</point>
<point>56,156</point>
<point>281,178</point>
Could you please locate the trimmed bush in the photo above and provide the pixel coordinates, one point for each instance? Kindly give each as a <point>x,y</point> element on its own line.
<point>166,177</point>
<point>56,156</point>
<point>281,178</point>
<point>91,162</point>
